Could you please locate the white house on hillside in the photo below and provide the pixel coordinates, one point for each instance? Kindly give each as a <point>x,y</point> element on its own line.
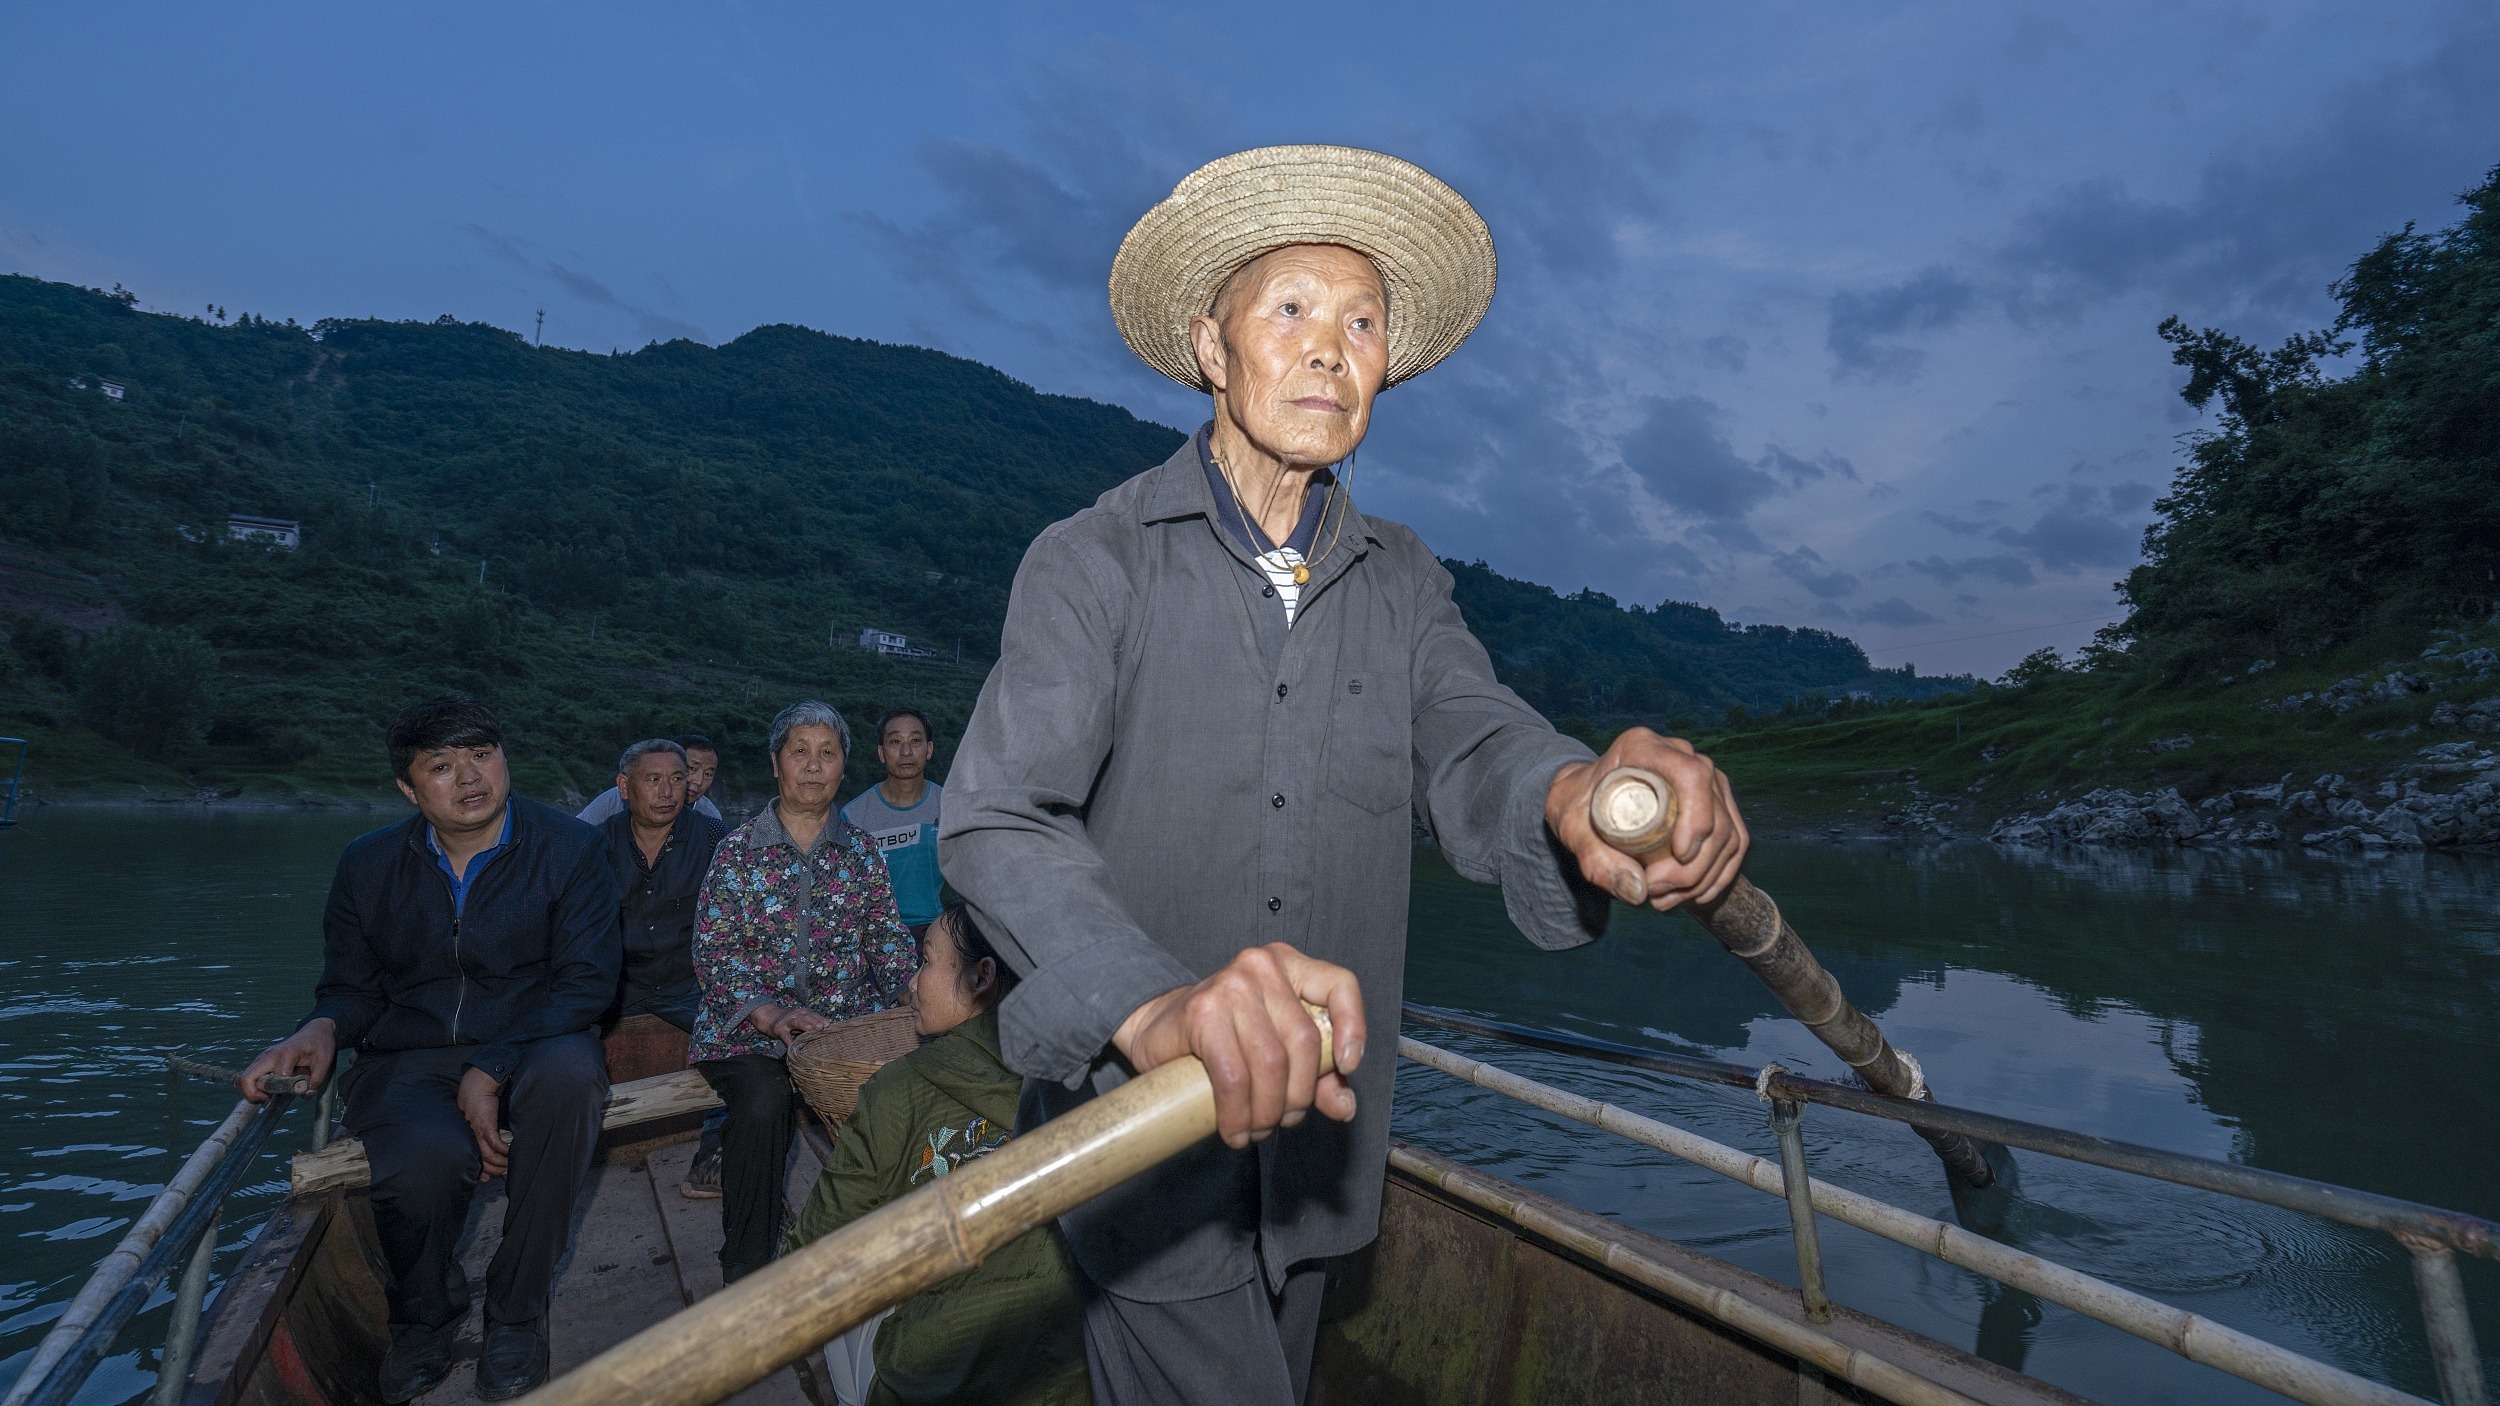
<point>877,641</point>
<point>269,531</point>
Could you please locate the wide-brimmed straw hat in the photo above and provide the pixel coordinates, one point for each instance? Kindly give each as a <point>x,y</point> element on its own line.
<point>1434,254</point>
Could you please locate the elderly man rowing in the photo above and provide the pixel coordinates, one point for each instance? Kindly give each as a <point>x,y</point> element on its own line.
<point>1183,799</point>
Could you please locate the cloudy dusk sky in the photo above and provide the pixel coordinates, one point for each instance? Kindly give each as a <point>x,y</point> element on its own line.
<point>1835,315</point>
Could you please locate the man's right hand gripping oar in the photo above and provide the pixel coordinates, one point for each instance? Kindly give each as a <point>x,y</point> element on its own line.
<point>1261,1050</point>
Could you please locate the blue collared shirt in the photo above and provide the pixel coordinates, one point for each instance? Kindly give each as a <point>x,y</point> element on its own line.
<point>477,861</point>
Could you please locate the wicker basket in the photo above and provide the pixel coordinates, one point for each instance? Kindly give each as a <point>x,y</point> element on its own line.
<point>829,1065</point>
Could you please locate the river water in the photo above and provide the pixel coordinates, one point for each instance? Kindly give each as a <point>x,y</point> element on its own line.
<point>2331,1018</point>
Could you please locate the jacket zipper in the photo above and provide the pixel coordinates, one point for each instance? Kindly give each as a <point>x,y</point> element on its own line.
<point>460,997</point>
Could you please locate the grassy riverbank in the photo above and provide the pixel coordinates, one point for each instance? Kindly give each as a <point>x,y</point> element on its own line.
<point>1998,750</point>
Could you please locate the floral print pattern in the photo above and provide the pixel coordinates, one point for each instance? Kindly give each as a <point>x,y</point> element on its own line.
<point>817,929</point>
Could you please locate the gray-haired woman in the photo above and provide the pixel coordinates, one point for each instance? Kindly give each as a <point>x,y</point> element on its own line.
<point>795,930</point>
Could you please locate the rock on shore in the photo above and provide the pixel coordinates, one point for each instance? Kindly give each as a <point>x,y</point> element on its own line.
<point>2401,812</point>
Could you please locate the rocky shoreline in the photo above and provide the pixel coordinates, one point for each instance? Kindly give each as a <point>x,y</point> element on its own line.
<point>2448,799</point>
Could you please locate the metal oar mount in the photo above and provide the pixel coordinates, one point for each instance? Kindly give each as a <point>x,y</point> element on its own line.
<point>1634,810</point>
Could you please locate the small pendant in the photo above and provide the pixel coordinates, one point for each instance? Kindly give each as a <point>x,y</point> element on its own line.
<point>1301,575</point>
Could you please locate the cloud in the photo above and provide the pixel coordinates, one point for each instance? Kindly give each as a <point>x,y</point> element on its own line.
<point>2268,226</point>
<point>652,324</point>
<point>1959,526</point>
<point>1799,566</point>
<point>1566,182</point>
<point>657,326</point>
<point>1893,610</point>
<point>2085,528</point>
<point>1800,472</point>
<point>1107,131</point>
<point>2263,230</point>
<point>1862,327</point>
<point>1726,351</point>
<point>1679,454</point>
<point>502,246</point>
<point>2004,570</point>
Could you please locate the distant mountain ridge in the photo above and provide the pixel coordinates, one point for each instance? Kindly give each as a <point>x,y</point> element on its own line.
<point>607,545</point>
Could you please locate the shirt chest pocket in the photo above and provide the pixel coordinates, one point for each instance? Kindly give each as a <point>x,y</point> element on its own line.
<point>1371,746</point>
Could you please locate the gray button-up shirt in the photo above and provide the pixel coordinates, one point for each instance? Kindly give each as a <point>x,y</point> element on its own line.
<point>1161,774</point>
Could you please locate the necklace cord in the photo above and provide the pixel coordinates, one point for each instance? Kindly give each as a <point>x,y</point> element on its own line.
<point>1337,492</point>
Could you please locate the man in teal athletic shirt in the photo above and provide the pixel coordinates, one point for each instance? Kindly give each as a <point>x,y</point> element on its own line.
<point>901,813</point>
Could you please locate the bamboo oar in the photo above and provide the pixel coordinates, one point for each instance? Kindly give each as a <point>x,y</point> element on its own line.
<point>785,1310</point>
<point>1634,810</point>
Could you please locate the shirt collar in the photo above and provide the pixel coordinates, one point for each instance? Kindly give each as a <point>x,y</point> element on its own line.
<point>767,829</point>
<point>1228,512</point>
<point>435,844</point>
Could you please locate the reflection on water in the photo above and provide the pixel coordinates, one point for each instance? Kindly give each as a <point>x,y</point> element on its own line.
<point>129,932</point>
<point>2329,1018</point>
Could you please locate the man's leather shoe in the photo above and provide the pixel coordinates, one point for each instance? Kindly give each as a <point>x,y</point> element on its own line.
<point>416,1362</point>
<point>513,1361</point>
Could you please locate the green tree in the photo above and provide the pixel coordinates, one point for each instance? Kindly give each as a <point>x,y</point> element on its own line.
<point>2324,507</point>
<point>2033,667</point>
<point>148,688</point>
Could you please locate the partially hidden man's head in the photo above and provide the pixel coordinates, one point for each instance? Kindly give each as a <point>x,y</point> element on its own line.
<point>808,745</point>
<point>651,777</point>
<point>447,755</point>
<point>702,764</point>
<point>904,743</point>
<point>1294,283</point>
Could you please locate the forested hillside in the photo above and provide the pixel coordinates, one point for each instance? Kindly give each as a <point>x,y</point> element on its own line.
<point>1587,658</point>
<point>607,546</point>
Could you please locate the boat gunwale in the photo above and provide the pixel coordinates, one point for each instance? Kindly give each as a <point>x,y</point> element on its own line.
<point>2366,1210</point>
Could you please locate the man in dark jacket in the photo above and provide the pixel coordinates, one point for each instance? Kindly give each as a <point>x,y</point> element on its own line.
<point>468,953</point>
<point>659,847</point>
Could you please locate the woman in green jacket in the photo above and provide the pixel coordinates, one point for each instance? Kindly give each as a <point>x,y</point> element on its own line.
<point>1007,1331</point>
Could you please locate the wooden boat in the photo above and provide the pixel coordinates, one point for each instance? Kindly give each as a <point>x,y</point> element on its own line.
<point>1456,1303</point>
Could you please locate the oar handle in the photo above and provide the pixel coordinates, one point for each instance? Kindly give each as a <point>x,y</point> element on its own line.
<point>787,1309</point>
<point>1634,810</point>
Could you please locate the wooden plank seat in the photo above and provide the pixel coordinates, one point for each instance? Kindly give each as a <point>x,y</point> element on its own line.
<point>640,1101</point>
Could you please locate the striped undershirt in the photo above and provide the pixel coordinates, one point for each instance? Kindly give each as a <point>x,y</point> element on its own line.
<point>1276,561</point>
<point>1279,565</point>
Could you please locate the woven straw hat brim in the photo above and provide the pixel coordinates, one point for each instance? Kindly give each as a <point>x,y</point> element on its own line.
<point>1433,251</point>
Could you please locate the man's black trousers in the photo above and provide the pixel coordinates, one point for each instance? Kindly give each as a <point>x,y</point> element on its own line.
<point>755,1157</point>
<point>405,1106</point>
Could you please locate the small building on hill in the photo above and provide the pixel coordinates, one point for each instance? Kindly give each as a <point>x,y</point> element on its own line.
<point>268,531</point>
<point>877,641</point>
<point>112,389</point>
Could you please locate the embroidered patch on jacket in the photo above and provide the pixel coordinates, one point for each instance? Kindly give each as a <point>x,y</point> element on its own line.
<point>948,1148</point>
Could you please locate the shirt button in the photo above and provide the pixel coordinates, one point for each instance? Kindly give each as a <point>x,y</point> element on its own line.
<point>1280,690</point>
<point>1277,800</point>
<point>1267,590</point>
<point>1275,903</point>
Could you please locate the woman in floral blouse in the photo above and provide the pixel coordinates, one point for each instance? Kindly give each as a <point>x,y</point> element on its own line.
<point>796,929</point>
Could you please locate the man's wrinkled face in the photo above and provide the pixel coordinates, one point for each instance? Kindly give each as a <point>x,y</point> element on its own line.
<point>903,749</point>
<point>655,790</point>
<point>458,788</point>
<point>809,766</point>
<point>1296,349</point>
<point>702,764</point>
